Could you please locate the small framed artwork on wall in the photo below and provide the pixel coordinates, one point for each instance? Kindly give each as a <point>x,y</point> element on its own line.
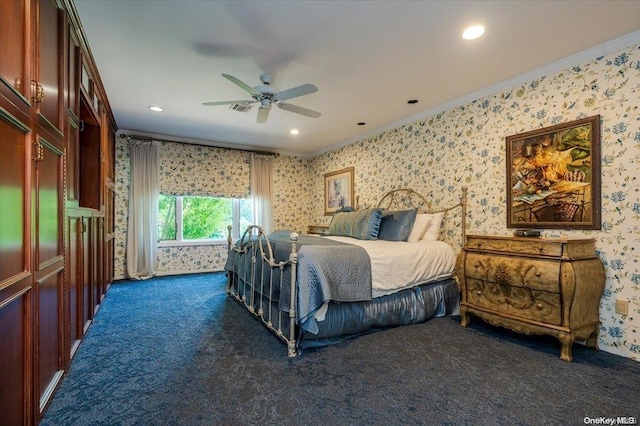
<point>338,190</point>
<point>553,176</point>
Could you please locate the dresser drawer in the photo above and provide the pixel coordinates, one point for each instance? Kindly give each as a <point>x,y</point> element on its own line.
<point>533,246</point>
<point>541,306</point>
<point>537,274</point>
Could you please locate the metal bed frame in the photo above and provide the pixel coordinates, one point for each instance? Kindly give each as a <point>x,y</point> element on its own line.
<point>259,249</point>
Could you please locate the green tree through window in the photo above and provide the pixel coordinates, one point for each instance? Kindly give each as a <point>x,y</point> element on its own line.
<point>200,218</point>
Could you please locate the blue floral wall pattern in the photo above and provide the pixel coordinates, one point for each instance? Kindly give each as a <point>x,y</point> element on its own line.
<point>465,145</point>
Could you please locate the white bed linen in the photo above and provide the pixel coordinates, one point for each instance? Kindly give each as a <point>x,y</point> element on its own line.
<point>396,265</point>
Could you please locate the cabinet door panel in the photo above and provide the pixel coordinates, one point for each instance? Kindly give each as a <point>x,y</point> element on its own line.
<point>13,209</point>
<point>73,72</point>
<point>15,359</point>
<point>50,334</point>
<point>16,303</point>
<point>48,193</point>
<point>49,57</point>
<point>15,48</point>
<point>74,281</point>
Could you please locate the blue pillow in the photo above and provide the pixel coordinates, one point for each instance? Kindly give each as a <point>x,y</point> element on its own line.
<point>361,224</point>
<point>397,225</point>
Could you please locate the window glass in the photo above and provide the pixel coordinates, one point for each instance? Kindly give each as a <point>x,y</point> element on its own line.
<point>201,218</point>
<point>205,217</point>
<point>167,217</point>
<point>245,216</point>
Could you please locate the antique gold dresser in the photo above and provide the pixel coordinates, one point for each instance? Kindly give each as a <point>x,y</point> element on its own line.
<point>533,286</point>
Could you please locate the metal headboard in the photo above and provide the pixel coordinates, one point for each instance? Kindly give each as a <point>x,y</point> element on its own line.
<point>406,198</point>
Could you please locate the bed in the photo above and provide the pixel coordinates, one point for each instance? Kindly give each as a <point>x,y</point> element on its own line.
<point>375,269</point>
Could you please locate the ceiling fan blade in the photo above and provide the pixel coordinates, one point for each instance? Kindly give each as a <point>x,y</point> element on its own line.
<point>299,110</point>
<point>263,114</point>
<point>294,92</point>
<point>244,101</point>
<point>242,84</point>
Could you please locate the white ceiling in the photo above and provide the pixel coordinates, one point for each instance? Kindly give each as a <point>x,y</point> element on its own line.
<point>368,58</point>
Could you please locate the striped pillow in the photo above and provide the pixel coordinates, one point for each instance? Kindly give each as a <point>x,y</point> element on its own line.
<point>361,224</point>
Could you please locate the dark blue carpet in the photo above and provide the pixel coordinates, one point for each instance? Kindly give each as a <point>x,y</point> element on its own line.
<point>178,351</point>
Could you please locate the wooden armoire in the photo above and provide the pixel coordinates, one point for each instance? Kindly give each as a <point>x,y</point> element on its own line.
<point>57,137</point>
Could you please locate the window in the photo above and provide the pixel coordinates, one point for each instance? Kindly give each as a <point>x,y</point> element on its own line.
<point>201,220</point>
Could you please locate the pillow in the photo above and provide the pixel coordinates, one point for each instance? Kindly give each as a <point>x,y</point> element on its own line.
<point>419,227</point>
<point>396,225</point>
<point>361,224</point>
<point>432,233</point>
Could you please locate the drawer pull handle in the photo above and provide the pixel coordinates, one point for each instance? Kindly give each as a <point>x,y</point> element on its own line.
<point>540,249</point>
<point>477,265</point>
<point>539,306</point>
<point>479,292</point>
<point>538,273</point>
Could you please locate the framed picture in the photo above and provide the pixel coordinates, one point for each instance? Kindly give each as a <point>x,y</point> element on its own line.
<point>553,177</point>
<point>338,190</point>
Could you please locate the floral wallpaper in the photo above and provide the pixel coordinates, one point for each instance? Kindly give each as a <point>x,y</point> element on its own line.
<point>465,146</point>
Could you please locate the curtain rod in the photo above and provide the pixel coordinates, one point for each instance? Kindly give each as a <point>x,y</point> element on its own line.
<point>147,138</point>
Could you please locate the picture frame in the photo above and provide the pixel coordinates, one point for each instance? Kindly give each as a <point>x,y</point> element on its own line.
<point>553,176</point>
<point>338,190</point>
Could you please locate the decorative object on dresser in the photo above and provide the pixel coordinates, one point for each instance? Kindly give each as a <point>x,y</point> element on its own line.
<point>317,229</point>
<point>553,176</point>
<point>533,286</point>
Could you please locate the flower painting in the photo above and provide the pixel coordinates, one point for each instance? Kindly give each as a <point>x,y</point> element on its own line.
<point>553,177</point>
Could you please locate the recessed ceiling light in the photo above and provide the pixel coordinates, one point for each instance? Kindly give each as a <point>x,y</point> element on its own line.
<point>412,101</point>
<point>362,123</point>
<point>155,108</point>
<point>473,32</point>
<point>294,131</point>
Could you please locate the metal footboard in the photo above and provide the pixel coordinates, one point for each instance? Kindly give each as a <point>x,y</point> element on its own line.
<point>252,288</point>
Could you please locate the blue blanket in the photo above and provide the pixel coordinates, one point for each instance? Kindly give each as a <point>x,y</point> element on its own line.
<point>327,271</point>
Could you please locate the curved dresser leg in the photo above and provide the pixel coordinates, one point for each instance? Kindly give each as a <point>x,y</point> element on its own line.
<point>592,340</point>
<point>464,316</point>
<point>566,343</point>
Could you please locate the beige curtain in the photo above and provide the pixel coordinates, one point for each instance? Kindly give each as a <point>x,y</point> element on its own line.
<point>144,190</point>
<point>262,191</point>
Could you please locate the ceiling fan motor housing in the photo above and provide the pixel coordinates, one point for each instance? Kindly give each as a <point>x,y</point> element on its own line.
<point>241,107</point>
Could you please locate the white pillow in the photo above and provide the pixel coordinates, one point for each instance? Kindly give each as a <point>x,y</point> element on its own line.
<point>433,231</point>
<point>420,225</point>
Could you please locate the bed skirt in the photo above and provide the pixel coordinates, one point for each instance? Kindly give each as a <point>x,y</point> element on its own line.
<point>342,321</point>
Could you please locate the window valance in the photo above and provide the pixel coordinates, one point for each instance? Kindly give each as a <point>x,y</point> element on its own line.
<point>197,170</point>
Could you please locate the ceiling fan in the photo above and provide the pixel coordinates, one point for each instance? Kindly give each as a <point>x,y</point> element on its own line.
<point>267,95</point>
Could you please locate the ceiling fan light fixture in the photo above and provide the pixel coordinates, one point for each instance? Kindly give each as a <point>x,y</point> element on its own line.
<point>294,131</point>
<point>473,32</point>
<point>155,108</point>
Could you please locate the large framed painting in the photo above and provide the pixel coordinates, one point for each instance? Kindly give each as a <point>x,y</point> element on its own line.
<point>553,177</point>
<point>338,190</point>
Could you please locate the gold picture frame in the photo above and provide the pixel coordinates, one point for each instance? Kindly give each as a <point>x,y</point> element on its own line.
<point>553,176</point>
<point>338,190</point>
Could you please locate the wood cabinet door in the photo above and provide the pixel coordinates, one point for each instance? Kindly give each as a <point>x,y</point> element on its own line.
<point>16,272</point>
<point>73,276</point>
<point>47,207</point>
<point>50,54</point>
<point>15,45</point>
